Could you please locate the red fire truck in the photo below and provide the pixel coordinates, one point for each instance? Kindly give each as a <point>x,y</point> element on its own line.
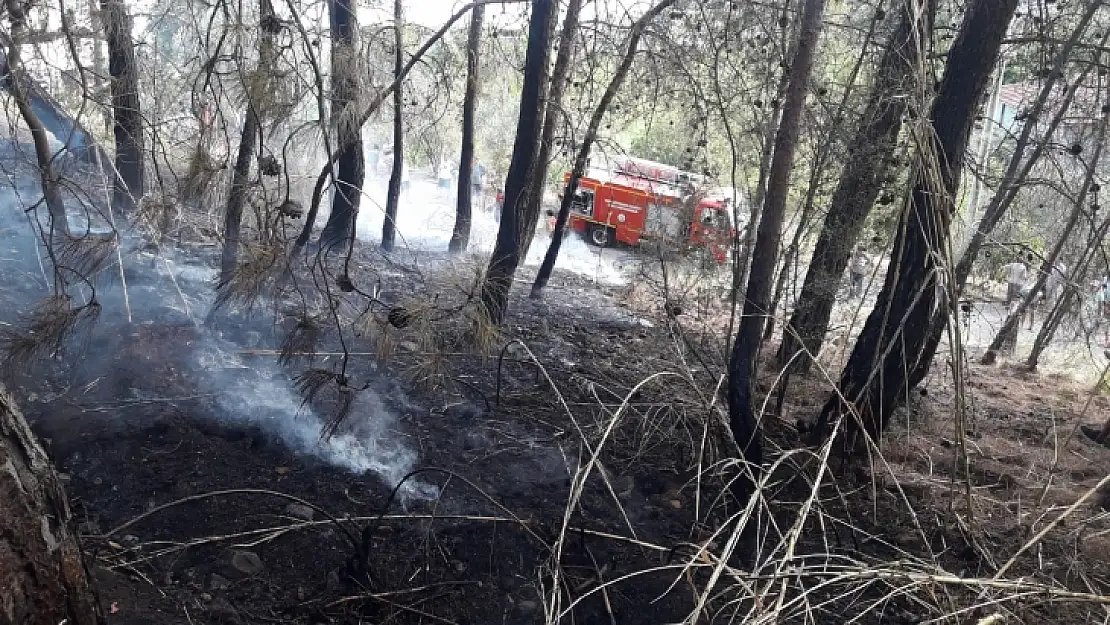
<point>631,199</point>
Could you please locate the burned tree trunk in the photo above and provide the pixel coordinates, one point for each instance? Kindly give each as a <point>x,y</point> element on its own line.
<point>552,95</point>
<point>876,377</point>
<point>1016,172</point>
<point>743,363</point>
<point>583,156</point>
<point>868,167</point>
<point>248,142</point>
<point>460,235</point>
<point>340,226</point>
<point>127,119</point>
<point>393,192</point>
<point>240,181</point>
<point>43,580</point>
<point>506,251</point>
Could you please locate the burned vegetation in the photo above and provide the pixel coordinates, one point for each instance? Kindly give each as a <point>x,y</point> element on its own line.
<point>552,311</point>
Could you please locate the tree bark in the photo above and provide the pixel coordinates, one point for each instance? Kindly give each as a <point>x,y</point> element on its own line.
<point>127,119</point>
<point>506,251</point>
<point>827,146</point>
<point>532,197</point>
<point>340,226</point>
<point>393,192</point>
<point>583,156</point>
<point>43,580</point>
<point>867,168</point>
<point>460,235</point>
<point>743,365</point>
<point>876,377</point>
<point>327,171</point>
<point>552,115</point>
<point>240,182</point>
<point>248,142</point>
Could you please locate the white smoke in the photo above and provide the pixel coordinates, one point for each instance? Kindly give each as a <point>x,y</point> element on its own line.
<point>426,217</point>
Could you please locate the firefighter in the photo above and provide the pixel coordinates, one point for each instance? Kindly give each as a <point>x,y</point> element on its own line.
<point>857,269</point>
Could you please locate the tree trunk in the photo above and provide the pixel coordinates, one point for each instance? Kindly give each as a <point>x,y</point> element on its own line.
<point>743,363</point>
<point>43,579</point>
<point>393,192</point>
<point>559,77</point>
<point>240,182</point>
<point>506,251</point>
<point>1012,180</point>
<point>583,156</point>
<point>1008,332</point>
<point>248,141</point>
<point>868,167</point>
<point>460,236</point>
<point>340,226</point>
<point>827,145</point>
<point>875,379</point>
<point>127,119</point>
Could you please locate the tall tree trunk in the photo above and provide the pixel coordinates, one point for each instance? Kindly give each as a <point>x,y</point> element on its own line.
<point>875,379</point>
<point>1017,170</point>
<point>829,144</point>
<point>237,198</point>
<point>127,119</point>
<point>393,192</point>
<point>559,77</point>
<point>583,156</point>
<point>506,251</point>
<point>460,235</point>
<point>43,579</point>
<point>743,365</point>
<point>340,226</point>
<point>248,142</point>
<point>1009,330</point>
<point>867,168</point>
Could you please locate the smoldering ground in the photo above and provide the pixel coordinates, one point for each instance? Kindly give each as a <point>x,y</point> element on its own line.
<point>149,344</point>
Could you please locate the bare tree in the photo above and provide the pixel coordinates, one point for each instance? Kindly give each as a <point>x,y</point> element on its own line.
<point>248,140</point>
<point>507,250</point>
<point>127,119</point>
<point>552,115</point>
<point>743,363</point>
<point>43,580</point>
<point>876,377</point>
<point>460,235</point>
<point>867,167</point>
<point>393,193</point>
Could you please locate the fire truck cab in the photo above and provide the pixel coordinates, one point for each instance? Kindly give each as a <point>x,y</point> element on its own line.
<point>630,200</point>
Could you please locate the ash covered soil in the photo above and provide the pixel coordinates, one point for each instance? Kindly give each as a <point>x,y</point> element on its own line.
<point>207,493</point>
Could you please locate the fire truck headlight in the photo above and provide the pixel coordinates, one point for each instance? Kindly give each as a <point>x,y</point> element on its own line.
<point>621,218</point>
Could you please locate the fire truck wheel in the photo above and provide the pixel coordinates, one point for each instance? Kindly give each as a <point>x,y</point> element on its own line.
<point>599,236</point>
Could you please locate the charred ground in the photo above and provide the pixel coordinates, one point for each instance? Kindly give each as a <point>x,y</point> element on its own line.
<point>193,502</point>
